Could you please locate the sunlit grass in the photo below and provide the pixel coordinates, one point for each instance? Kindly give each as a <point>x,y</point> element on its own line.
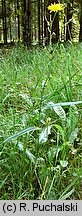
<point>40,146</point>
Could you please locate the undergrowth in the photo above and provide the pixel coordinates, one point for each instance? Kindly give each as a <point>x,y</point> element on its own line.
<point>41,123</point>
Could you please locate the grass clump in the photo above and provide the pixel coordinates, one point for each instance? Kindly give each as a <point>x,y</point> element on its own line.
<point>40,123</point>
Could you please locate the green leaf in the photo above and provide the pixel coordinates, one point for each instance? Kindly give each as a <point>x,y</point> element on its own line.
<point>6,97</point>
<point>27,130</point>
<point>60,130</point>
<point>28,153</point>
<point>66,192</point>
<point>73,135</point>
<point>72,119</point>
<point>60,112</point>
<point>43,137</point>
<point>67,195</point>
<point>53,151</point>
<point>64,163</point>
<point>51,104</point>
<point>26,98</point>
<point>3,182</point>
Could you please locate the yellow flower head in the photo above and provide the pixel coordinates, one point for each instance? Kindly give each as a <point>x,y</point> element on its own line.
<point>55,7</point>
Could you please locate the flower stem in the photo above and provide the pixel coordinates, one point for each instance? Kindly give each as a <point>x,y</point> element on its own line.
<point>51,22</point>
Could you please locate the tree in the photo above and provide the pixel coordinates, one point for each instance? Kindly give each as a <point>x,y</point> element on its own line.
<point>24,22</point>
<point>18,16</point>
<point>4,21</point>
<point>29,20</point>
<point>80,33</point>
<point>69,20</point>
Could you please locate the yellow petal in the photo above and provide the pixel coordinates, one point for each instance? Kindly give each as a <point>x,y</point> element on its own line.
<point>55,7</point>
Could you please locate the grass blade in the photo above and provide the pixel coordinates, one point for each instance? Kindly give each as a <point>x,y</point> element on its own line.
<point>27,130</point>
<point>51,104</point>
<point>67,195</point>
<point>66,192</point>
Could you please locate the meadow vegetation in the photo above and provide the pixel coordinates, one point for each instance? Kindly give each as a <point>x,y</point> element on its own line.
<point>40,126</point>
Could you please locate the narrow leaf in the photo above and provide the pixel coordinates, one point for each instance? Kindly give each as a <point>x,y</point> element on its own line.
<point>67,189</point>
<point>51,104</point>
<point>27,130</point>
<point>28,153</point>
<point>26,98</point>
<point>44,134</point>
<point>60,112</point>
<point>60,130</point>
<point>67,195</point>
<point>73,135</point>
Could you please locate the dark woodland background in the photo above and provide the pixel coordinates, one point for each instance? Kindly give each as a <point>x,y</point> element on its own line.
<point>27,21</point>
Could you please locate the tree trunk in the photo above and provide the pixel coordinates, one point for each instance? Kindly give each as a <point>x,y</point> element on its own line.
<point>39,21</point>
<point>24,23</point>
<point>18,17</point>
<point>69,25</point>
<point>46,20</point>
<point>4,21</point>
<point>10,24</point>
<point>29,24</point>
<point>80,33</point>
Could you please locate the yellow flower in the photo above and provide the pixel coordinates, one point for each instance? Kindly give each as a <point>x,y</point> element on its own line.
<point>55,7</point>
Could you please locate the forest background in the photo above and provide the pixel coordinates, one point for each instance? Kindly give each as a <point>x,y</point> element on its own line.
<point>27,21</point>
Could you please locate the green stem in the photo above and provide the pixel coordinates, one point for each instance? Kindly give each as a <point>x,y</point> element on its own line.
<point>51,22</point>
<point>50,30</point>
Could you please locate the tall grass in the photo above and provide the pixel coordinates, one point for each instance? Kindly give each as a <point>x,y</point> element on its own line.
<point>40,123</point>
